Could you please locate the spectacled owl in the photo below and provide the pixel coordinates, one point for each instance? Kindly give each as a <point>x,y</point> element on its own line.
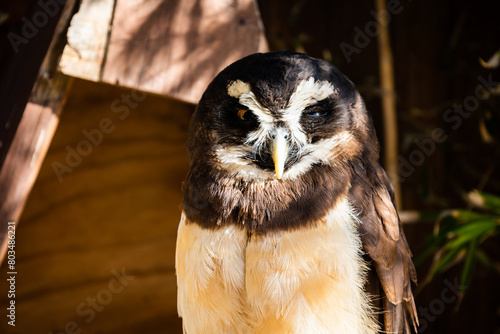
<point>288,220</point>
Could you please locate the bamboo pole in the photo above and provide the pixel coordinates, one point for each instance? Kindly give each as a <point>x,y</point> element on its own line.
<point>388,101</point>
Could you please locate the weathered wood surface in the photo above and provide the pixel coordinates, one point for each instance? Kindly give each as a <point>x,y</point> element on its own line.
<point>34,132</point>
<point>23,46</point>
<point>87,39</point>
<point>170,47</point>
<point>117,209</point>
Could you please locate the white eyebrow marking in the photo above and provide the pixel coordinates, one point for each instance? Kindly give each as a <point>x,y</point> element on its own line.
<point>241,90</point>
<point>307,93</point>
<point>238,88</point>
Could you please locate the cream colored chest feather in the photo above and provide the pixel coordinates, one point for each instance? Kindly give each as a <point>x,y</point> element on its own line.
<point>304,281</point>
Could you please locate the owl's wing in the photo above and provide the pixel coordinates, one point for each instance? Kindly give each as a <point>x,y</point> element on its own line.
<point>384,242</point>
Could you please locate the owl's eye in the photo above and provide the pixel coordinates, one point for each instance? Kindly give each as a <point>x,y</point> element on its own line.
<point>316,112</point>
<point>242,118</point>
<point>241,114</point>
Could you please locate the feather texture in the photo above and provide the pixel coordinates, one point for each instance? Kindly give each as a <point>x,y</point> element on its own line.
<point>301,281</point>
<point>385,243</point>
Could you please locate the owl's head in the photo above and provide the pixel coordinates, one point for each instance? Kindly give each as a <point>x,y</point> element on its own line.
<point>274,116</point>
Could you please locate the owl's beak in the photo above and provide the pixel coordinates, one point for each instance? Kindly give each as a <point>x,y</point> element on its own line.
<point>279,152</point>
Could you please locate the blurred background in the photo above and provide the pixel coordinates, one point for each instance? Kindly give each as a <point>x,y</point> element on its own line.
<point>95,109</point>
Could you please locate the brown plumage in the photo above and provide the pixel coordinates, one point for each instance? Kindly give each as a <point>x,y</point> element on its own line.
<point>305,241</point>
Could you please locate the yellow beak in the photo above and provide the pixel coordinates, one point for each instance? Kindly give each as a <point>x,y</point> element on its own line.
<point>279,152</point>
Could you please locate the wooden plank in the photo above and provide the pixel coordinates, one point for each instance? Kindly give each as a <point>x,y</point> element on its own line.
<point>87,40</point>
<point>34,133</point>
<point>170,47</point>
<point>25,37</point>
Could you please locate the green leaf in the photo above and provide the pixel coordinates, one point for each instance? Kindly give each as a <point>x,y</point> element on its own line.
<point>467,216</point>
<point>444,261</point>
<point>460,235</point>
<point>468,265</point>
<point>475,229</point>
<point>460,241</point>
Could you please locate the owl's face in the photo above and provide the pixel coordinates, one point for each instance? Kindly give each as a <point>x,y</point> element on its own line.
<point>277,115</point>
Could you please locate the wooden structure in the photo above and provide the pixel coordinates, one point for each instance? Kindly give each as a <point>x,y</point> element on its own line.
<point>95,244</point>
<point>117,210</point>
<point>170,47</point>
<point>30,124</point>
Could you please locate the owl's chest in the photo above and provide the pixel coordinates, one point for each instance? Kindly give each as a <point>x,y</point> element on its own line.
<point>308,280</point>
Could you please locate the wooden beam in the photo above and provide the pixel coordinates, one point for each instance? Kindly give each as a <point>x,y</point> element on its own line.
<point>34,133</point>
<point>23,47</point>
<point>170,47</point>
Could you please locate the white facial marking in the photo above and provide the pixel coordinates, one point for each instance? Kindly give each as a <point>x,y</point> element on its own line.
<point>307,93</point>
<point>237,88</point>
<point>234,161</point>
<point>324,151</point>
<point>241,90</point>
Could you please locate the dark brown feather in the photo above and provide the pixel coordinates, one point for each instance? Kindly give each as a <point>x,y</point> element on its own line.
<point>214,199</point>
<point>384,241</point>
<point>372,195</point>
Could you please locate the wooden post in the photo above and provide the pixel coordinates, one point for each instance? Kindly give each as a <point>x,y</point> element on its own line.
<point>34,132</point>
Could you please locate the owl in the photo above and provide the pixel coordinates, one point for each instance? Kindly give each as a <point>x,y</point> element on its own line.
<point>288,220</point>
